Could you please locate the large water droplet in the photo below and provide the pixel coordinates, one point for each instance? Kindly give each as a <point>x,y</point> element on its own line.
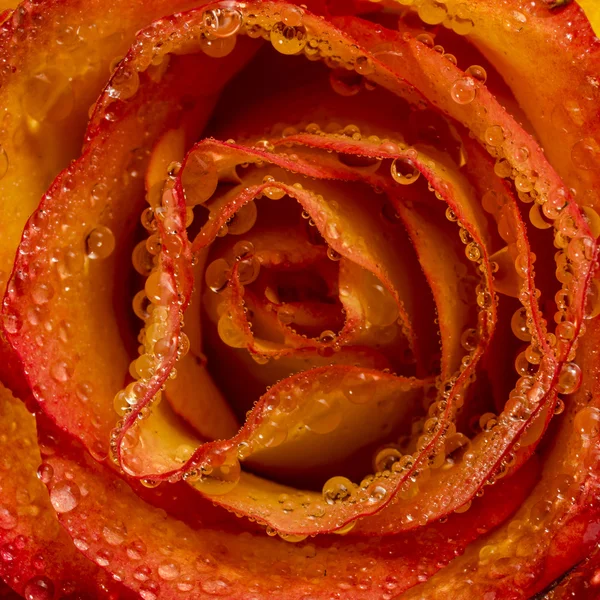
<point>65,496</point>
<point>337,489</point>
<point>39,588</point>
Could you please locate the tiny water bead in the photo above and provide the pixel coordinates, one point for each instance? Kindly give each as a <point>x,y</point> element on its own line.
<point>463,91</point>
<point>337,489</point>
<point>100,243</point>
<point>404,172</point>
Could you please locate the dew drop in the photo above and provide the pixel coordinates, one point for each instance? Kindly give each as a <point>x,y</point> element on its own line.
<point>65,496</point>
<point>432,12</point>
<point>61,371</point>
<point>159,288</point>
<point>3,162</point>
<point>587,422</point>
<point>168,571</point>
<point>217,275</point>
<point>463,90</point>
<point>386,458</point>
<point>244,219</point>
<point>288,39</point>
<point>45,473</point>
<point>199,178</point>
<point>569,379</point>
<point>124,84</point>
<point>324,415</point>
<point>8,518</point>
<point>477,72</point>
<point>337,489</point>
<point>100,243</point>
<point>469,339</point>
<point>404,172</point>
<point>221,479</point>
<point>222,22</point>
<point>494,135</point>
<point>39,588</point>
<point>218,47</point>
<point>585,154</point>
<point>345,83</point>
<point>48,96</point>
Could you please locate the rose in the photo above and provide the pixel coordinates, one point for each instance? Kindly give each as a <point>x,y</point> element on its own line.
<point>405,108</point>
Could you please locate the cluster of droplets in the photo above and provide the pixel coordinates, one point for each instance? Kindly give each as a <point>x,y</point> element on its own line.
<point>160,259</point>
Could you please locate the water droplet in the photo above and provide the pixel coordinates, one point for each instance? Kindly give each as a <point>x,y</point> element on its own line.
<point>244,219</point>
<point>404,172</point>
<point>61,371</point>
<point>477,72</point>
<point>472,251</point>
<point>45,472</point>
<point>469,339</point>
<point>65,496</point>
<point>100,243</point>
<point>221,479</point>
<point>386,458</point>
<point>337,489</point>
<point>3,162</point>
<point>463,91</point>
<point>324,415</point>
<point>344,82</point>
<point>587,422</point>
<point>494,135</point>
<point>39,588</point>
<point>288,39</point>
<point>8,518</point>
<point>585,154</point>
<point>124,84</point>
<point>48,96</point>
<point>222,22</point>
<point>41,293</point>
<point>217,275</point>
<point>159,288</point>
<point>432,12</point>
<point>216,587</point>
<point>218,47</point>
<point>503,168</point>
<point>114,533</point>
<point>569,379</point>
<point>168,571</point>
<point>333,254</point>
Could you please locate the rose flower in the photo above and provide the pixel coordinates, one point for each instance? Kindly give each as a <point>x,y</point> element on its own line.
<point>300,301</point>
